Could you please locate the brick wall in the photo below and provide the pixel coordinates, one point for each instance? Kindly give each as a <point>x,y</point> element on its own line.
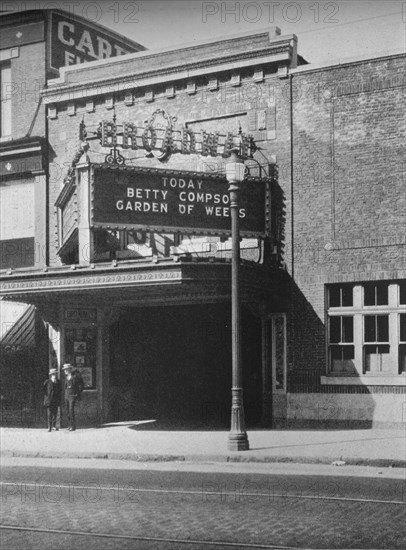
<point>350,205</point>
<point>349,201</point>
<point>28,78</point>
<point>253,105</point>
<point>345,208</point>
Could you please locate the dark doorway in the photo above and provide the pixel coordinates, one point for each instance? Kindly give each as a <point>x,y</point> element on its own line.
<point>173,365</point>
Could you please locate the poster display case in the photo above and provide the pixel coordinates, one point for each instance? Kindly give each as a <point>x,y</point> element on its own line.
<point>80,351</point>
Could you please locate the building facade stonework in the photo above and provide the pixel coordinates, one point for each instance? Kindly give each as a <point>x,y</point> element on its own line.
<point>143,309</point>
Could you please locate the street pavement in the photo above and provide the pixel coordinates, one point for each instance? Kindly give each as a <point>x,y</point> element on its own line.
<point>69,503</point>
<point>126,486</point>
<point>135,441</point>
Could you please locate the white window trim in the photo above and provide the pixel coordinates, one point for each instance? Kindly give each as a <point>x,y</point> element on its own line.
<point>358,311</point>
<point>5,101</point>
<point>364,380</point>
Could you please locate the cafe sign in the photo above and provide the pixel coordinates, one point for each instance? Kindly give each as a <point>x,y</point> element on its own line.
<point>73,41</point>
<point>161,200</point>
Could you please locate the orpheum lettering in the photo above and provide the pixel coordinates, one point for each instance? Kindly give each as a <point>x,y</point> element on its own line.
<point>157,200</point>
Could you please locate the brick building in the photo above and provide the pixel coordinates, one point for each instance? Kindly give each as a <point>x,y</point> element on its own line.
<point>142,304</point>
<point>34,45</point>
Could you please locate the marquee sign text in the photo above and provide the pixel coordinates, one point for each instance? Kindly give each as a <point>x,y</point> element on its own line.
<point>174,201</point>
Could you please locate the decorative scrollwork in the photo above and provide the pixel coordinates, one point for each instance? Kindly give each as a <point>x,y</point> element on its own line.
<point>114,158</point>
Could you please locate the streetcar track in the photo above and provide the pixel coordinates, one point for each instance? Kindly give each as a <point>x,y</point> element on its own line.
<point>149,539</point>
<point>238,495</point>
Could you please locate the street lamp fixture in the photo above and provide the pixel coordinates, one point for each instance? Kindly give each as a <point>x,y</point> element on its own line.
<point>237,439</point>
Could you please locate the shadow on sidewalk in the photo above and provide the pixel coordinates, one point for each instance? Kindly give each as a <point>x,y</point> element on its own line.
<point>324,443</point>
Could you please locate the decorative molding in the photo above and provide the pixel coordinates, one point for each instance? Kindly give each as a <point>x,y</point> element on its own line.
<point>90,106</point>
<point>109,102</point>
<point>170,91</point>
<point>191,87</point>
<point>258,75</point>
<point>213,84</point>
<point>149,96</point>
<point>128,98</point>
<point>235,79</point>
<point>256,282</point>
<point>90,281</point>
<point>52,112</point>
<point>71,109</point>
<point>62,91</point>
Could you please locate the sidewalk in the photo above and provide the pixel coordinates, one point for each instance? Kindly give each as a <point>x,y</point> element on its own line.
<point>133,441</point>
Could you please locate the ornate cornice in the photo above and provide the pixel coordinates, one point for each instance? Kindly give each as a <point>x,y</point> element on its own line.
<point>254,279</point>
<point>87,281</point>
<point>138,75</point>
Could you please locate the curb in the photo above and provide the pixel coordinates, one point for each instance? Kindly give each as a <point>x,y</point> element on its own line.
<point>237,458</point>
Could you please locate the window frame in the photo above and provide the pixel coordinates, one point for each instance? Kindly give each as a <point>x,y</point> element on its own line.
<point>5,101</point>
<point>394,368</point>
<point>402,346</point>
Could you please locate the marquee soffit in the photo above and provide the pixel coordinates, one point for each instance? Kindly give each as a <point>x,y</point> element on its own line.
<point>137,276</point>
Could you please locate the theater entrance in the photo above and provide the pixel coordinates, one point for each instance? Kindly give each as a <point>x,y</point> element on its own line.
<point>172,365</point>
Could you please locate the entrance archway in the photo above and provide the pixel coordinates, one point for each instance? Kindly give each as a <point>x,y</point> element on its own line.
<point>172,364</point>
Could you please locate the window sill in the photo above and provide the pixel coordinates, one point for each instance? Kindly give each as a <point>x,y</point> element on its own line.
<point>364,380</point>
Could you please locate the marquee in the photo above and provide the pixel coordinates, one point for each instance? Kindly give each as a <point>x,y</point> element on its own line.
<point>165,200</point>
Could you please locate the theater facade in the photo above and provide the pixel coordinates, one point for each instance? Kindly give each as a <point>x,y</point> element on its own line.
<point>136,287</point>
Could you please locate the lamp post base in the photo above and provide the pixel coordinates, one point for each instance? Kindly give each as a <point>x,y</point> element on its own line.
<point>237,438</point>
<point>238,442</point>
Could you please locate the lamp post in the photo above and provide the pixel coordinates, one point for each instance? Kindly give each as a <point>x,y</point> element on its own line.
<point>237,439</point>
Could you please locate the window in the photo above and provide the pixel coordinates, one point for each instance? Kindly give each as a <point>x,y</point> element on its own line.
<point>5,111</point>
<point>376,353</point>
<point>376,294</point>
<point>341,296</point>
<point>402,293</point>
<point>376,328</point>
<point>341,344</point>
<point>402,344</point>
<point>366,329</point>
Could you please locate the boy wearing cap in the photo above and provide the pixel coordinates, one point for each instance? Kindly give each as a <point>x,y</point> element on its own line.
<point>52,398</point>
<point>73,390</point>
